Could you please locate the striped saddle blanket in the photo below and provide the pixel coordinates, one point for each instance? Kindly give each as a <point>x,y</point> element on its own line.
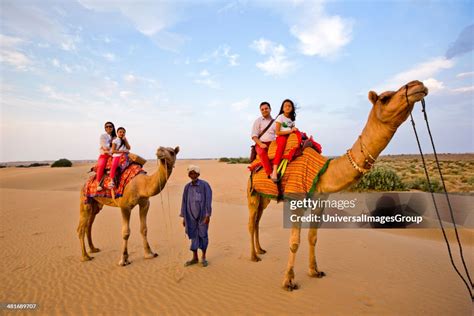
<point>126,175</point>
<point>301,177</point>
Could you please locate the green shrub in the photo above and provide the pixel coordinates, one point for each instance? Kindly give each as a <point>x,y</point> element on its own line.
<point>380,179</point>
<point>235,160</point>
<point>422,184</point>
<point>63,162</point>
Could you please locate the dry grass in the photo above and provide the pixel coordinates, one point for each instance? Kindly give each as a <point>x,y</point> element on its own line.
<point>457,169</point>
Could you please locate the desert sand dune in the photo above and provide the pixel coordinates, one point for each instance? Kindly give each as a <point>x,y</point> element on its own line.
<point>368,271</point>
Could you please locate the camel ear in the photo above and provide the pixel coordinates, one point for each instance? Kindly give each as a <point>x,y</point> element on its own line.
<point>176,150</point>
<point>373,97</point>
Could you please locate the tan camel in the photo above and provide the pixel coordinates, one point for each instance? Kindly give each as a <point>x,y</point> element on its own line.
<point>138,191</point>
<point>389,111</point>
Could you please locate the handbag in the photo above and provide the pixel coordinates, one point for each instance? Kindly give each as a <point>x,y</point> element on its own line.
<point>253,151</point>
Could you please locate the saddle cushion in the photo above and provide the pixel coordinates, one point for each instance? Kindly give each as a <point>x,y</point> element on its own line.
<point>301,176</point>
<point>126,175</point>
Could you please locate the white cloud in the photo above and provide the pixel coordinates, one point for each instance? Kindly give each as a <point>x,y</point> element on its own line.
<point>463,89</point>
<point>277,63</point>
<point>151,18</point>
<point>423,72</point>
<point>222,52</point>
<point>109,56</point>
<point>205,78</point>
<point>318,32</point>
<point>324,37</point>
<point>56,63</point>
<point>23,19</point>
<point>241,105</point>
<point>434,85</point>
<point>125,94</point>
<point>11,54</point>
<point>465,74</point>
<point>130,78</point>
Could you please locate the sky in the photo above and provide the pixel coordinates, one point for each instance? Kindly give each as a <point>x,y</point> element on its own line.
<point>193,73</point>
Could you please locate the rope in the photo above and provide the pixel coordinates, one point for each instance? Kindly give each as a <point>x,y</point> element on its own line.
<point>445,191</point>
<point>434,201</point>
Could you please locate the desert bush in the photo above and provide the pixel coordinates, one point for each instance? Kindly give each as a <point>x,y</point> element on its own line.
<point>63,162</point>
<point>235,160</point>
<point>380,179</point>
<point>422,184</point>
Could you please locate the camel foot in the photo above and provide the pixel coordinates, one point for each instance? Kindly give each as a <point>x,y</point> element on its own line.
<point>86,258</point>
<point>151,255</point>
<point>316,274</point>
<point>93,250</point>
<point>289,285</point>
<point>255,258</point>
<point>261,251</point>
<point>124,262</point>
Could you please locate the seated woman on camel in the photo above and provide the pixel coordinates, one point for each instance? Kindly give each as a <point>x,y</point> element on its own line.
<point>120,147</point>
<point>285,125</point>
<point>105,151</point>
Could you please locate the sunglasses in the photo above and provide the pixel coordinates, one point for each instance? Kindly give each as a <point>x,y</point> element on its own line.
<point>109,126</point>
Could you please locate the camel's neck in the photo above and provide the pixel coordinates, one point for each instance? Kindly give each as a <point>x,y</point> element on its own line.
<point>157,181</point>
<point>340,174</point>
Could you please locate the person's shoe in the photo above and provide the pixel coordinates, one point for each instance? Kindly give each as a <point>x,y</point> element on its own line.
<point>99,188</point>
<point>204,263</point>
<point>111,185</point>
<point>191,262</point>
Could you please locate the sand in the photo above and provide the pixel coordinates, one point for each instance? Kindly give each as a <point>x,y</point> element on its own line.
<point>368,271</point>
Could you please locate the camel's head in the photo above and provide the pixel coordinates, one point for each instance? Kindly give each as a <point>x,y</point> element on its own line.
<point>393,108</point>
<point>167,155</point>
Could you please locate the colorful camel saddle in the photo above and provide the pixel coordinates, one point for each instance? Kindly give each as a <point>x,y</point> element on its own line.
<point>301,177</point>
<point>295,145</point>
<point>126,172</point>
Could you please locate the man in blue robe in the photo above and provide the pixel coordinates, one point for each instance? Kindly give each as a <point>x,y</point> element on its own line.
<point>196,213</point>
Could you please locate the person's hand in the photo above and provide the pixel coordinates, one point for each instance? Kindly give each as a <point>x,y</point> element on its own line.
<point>294,129</point>
<point>263,145</point>
<point>206,220</point>
<point>184,224</point>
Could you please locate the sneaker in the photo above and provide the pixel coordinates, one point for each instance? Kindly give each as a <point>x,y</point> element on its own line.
<point>111,185</point>
<point>99,188</point>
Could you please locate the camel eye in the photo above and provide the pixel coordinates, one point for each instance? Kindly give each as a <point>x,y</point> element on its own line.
<point>172,153</point>
<point>384,98</point>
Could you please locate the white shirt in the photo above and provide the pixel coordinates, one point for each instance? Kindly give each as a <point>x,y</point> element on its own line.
<point>116,141</point>
<point>286,123</point>
<point>259,125</point>
<point>105,142</point>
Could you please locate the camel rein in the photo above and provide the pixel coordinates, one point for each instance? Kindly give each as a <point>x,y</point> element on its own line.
<point>423,109</point>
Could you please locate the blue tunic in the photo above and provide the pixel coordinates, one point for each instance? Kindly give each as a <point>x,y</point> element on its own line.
<point>196,205</point>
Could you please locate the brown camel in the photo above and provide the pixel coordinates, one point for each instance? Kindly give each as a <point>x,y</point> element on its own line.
<point>138,191</point>
<point>390,109</point>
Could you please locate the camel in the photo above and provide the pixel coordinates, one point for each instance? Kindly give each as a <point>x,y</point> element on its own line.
<point>390,109</point>
<point>138,191</point>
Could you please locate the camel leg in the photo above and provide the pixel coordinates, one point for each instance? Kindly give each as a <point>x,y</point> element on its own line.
<point>288,281</point>
<point>96,207</point>
<point>125,235</point>
<point>253,205</point>
<point>85,211</point>
<point>313,266</point>
<point>263,203</point>
<point>144,206</point>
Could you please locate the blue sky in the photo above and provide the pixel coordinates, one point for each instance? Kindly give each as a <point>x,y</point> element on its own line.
<point>192,73</point>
